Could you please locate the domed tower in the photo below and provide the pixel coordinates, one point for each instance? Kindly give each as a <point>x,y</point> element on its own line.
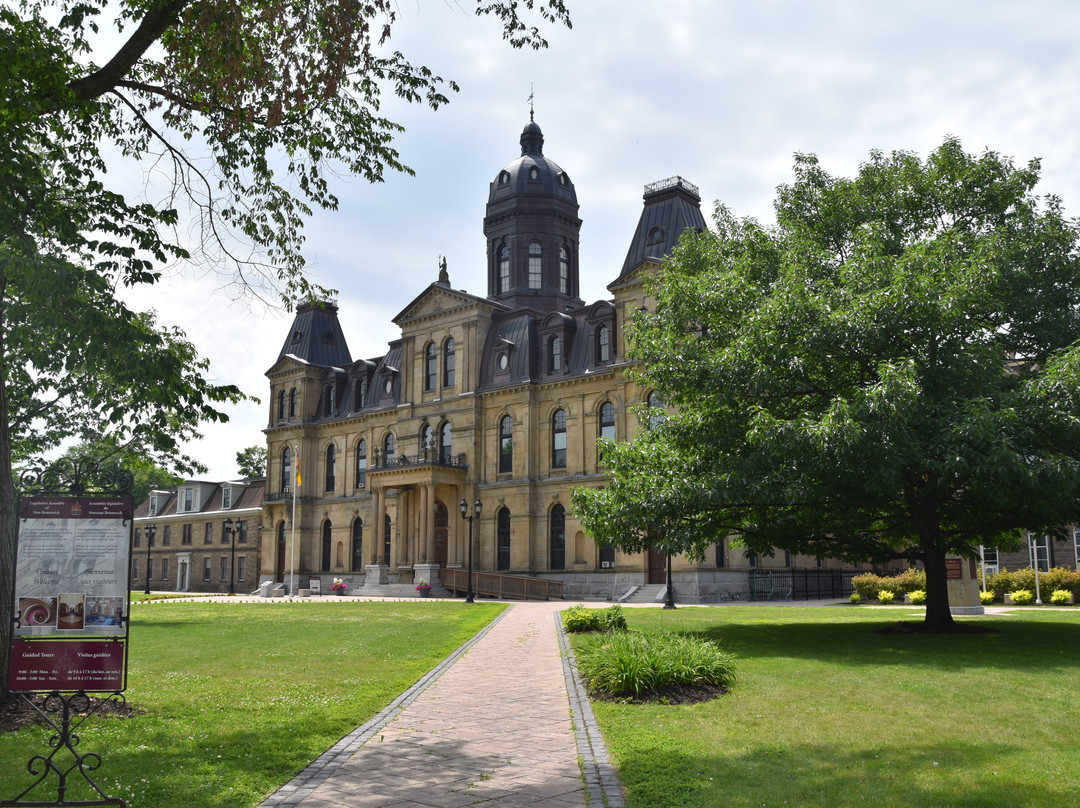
<point>532,231</point>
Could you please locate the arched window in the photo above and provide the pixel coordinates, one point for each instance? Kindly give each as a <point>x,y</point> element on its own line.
<point>431,366</point>
<point>449,363</point>
<point>357,545</point>
<point>564,271</point>
<point>554,355</point>
<point>504,268</point>
<point>281,405</point>
<point>326,546</point>
<point>361,463</point>
<point>558,439</point>
<point>603,344</point>
<point>427,440</point>
<point>506,445</point>
<point>557,556</point>
<point>388,448</point>
<point>331,467</point>
<point>445,446</point>
<point>502,561</point>
<point>286,470</point>
<point>536,253</point>
<point>292,403</point>
<point>607,420</point>
<point>656,408</point>
<point>359,394</point>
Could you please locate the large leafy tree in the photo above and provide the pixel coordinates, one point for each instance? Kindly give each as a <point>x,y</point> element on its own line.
<point>889,372</point>
<point>251,461</point>
<point>243,109</point>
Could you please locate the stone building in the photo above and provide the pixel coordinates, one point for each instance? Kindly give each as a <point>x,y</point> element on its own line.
<point>498,399</point>
<point>183,541</point>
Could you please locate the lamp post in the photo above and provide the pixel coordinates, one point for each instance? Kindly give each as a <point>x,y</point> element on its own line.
<point>463,506</point>
<point>231,530</point>
<point>150,531</point>
<point>669,603</point>
<point>1034,544</point>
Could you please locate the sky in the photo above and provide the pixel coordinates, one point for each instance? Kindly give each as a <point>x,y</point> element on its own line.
<point>720,92</point>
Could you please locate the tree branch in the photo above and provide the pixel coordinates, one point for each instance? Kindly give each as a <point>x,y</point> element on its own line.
<point>153,25</point>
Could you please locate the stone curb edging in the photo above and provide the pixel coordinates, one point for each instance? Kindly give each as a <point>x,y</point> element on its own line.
<point>602,783</point>
<point>323,767</point>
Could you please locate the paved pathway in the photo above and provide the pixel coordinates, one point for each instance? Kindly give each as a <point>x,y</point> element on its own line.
<point>491,725</point>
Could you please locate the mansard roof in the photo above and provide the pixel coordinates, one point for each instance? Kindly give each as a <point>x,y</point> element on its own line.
<point>316,337</point>
<point>671,207</point>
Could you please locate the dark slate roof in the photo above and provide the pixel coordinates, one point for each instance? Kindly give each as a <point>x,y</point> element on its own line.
<point>316,337</point>
<point>516,180</point>
<point>671,206</point>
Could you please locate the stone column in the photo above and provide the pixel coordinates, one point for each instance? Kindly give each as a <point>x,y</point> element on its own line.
<point>428,520</point>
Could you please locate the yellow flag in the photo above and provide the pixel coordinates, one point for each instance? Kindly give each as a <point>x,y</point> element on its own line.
<point>298,475</point>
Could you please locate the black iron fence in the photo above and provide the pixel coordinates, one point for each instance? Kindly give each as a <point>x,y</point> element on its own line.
<point>800,584</point>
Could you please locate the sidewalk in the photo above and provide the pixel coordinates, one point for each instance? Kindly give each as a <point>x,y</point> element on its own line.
<point>491,725</point>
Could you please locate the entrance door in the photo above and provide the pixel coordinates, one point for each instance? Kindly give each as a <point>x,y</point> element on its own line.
<point>279,571</point>
<point>657,567</point>
<point>442,531</point>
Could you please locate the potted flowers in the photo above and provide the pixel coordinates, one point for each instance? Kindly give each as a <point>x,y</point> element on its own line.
<point>424,588</point>
<point>338,587</point>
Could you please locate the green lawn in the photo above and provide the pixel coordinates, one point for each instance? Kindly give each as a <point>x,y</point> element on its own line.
<point>828,712</point>
<point>239,698</point>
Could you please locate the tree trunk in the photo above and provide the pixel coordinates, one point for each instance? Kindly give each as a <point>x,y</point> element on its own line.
<point>938,616</point>
<point>8,523</point>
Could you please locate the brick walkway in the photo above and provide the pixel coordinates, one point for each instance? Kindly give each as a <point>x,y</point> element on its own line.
<point>491,725</point>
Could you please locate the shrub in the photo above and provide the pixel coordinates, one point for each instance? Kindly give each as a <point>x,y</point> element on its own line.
<point>885,596</point>
<point>579,618</point>
<point>1053,579</point>
<point>918,596</point>
<point>987,597</point>
<point>869,585</point>
<point>1022,597</point>
<point>1061,596</point>
<point>632,664</point>
<point>855,598</point>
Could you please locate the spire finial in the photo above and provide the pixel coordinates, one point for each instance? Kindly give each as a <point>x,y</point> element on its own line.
<point>531,95</point>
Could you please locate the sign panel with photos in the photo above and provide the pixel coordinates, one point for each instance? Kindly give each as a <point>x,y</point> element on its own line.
<point>71,583</point>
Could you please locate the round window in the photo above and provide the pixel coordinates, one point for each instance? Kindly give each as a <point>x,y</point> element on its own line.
<point>504,361</point>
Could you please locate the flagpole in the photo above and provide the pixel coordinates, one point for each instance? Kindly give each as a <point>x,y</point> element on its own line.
<point>292,555</point>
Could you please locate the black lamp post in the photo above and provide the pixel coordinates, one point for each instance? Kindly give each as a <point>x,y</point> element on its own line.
<point>670,602</point>
<point>150,531</point>
<point>231,530</point>
<point>463,506</point>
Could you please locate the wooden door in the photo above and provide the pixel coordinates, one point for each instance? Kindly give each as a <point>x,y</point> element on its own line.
<point>657,567</point>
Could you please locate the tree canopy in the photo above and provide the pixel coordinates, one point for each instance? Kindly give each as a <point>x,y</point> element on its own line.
<point>251,461</point>
<point>889,372</point>
<point>247,109</point>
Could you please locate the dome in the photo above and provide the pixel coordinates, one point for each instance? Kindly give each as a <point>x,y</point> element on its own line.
<point>532,174</point>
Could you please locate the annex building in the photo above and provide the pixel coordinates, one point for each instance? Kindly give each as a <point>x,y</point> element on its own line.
<point>497,399</point>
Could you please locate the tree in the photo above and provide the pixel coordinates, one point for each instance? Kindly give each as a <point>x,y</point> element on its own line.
<point>252,461</point>
<point>246,107</point>
<point>106,454</point>
<point>890,372</point>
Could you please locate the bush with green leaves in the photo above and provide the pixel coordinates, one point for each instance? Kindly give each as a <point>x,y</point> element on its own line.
<point>855,598</point>
<point>1060,597</point>
<point>886,596</point>
<point>1022,597</point>
<point>579,618</point>
<point>869,585</point>
<point>1054,578</point>
<point>632,664</point>
<point>987,597</point>
<point>918,596</point>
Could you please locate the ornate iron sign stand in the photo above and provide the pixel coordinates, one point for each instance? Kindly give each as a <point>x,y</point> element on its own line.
<point>81,490</point>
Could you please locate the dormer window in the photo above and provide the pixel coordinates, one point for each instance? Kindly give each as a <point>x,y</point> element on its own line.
<point>331,400</point>
<point>189,499</point>
<point>153,506</point>
<point>502,361</point>
<point>536,253</point>
<point>504,178</point>
<point>534,174</point>
<point>603,344</point>
<point>554,355</point>
<point>297,336</point>
<point>226,498</point>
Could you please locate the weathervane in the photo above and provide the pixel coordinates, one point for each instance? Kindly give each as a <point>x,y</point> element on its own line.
<point>530,99</point>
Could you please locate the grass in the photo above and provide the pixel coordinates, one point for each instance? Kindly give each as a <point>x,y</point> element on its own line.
<point>239,698</point>
<point>631,664</point>
<point>827,711</point>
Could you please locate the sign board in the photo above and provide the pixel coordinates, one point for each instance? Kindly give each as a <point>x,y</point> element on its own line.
<point>315,585</point>
<point>71,583</point>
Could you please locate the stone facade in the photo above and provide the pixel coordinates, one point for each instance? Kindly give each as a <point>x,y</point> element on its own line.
<point>191,551</point>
